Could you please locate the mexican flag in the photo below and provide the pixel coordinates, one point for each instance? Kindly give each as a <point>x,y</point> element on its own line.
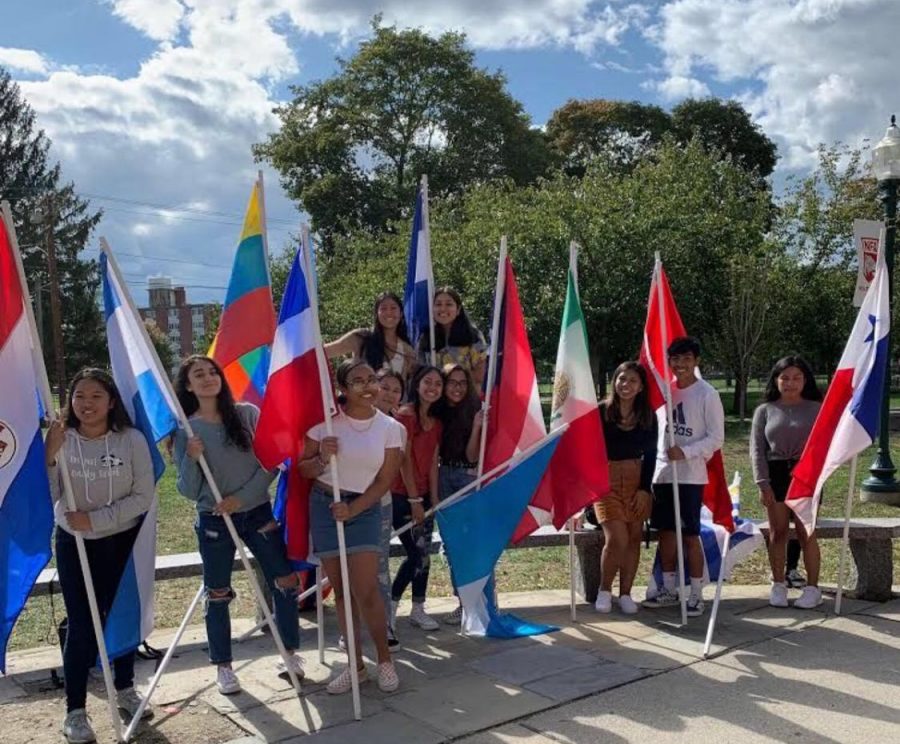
<point>578,474</point>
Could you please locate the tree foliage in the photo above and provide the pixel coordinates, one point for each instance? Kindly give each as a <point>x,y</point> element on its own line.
<point>351,148</point>
<point>33,186</point>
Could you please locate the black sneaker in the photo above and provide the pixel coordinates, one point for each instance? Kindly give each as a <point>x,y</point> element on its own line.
<point>694,607</point>
<point>393,641</point>
<point>664,598</point>
<point>794,579</point>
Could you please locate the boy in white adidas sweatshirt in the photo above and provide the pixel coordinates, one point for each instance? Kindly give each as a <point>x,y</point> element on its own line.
<point>699,422</point>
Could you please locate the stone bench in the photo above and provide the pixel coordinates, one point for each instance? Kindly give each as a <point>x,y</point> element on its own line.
<point>870,576</point>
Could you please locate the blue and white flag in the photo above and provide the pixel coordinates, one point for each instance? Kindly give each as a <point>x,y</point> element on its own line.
<point>417,297</point>
<point>148,399</point>
<point>476,531</point>
<point>26,511</point>
<point>746,538</point>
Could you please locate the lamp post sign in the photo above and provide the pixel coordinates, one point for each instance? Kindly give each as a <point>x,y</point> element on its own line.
<point>866,238</point>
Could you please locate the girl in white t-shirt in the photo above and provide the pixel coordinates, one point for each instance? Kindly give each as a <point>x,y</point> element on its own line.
<point>368,448</point>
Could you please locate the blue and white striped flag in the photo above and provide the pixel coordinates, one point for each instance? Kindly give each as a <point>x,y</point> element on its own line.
<point>148,399</point>
<point>417,297</point>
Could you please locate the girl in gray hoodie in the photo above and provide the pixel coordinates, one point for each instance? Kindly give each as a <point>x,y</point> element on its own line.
<point>113,487</point>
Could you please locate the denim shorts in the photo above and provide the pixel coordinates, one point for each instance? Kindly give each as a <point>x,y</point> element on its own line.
<point>362,534</point>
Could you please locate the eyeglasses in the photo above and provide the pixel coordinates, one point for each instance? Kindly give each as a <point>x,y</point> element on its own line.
<point>362,384</point>
<point>457,384</point>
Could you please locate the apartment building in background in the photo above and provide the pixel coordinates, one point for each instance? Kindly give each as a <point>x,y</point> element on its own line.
<point>185,324</point>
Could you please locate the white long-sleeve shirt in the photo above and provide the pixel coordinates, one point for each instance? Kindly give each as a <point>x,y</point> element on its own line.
<point>699,431</point>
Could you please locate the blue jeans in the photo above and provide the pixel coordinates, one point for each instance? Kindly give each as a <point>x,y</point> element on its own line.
<point>417,543</point>
<point>450,480</point>
<point>384,566</point>
<point>217,553</point>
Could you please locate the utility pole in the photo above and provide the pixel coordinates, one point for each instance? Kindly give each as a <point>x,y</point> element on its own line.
<point>39,307</point>
<point>55,307</point>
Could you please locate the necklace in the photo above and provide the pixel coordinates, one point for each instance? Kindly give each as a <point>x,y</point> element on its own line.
<point>365,427</point>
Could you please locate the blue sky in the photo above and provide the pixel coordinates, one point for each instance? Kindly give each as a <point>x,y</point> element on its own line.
<point>155,103</point>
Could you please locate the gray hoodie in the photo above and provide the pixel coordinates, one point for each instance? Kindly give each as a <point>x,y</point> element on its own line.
<point>112,480</point>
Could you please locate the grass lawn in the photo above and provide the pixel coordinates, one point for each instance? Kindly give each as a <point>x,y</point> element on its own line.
<point>518,570</point>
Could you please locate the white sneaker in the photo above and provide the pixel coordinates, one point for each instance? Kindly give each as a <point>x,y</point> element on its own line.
<point>296,665</point>
<point>227,681</point>
<point>343,683</point>
<point>604,602</point>
<point>129,701</point>
<point>664,598</point>
<point>422,619</point>
<point>388,681</point>
<point>810,599</point>
<point>77,727</point>
<point>627,605</point>
<point>694,606</point>
<point>455,617</point>
<point>778,595</point>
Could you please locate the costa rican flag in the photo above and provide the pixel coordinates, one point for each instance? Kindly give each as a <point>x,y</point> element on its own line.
<point>147,397</point>
<point>26,512</point>
<point>417,295</point>
<point>848,419</point>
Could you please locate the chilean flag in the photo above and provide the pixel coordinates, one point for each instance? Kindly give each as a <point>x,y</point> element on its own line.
<point>26,512</point>
<point>292,403</point>
<point>663,325</point>
<point>515,420</point>
<point>848,420</point>
<point>417,295</point>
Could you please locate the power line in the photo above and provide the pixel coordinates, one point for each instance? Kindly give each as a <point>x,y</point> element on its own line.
<point>162,258</point>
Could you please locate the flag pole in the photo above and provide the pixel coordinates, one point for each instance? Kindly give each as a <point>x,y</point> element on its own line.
<point>670,422</point>
<point>715,608</point>
<point>426,227</point>
<point>573,267</point>
<point>320,614</point>
<point>492,360</point>
<point>845,538</point>
<point>53,416</point>
<point>324,377</point>
<point>207,472</point>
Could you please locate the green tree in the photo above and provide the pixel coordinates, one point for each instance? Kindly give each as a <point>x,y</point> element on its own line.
<point>213,317</point>
<point>33,184</point>
<point>160,342</point>
<point>351,148</point>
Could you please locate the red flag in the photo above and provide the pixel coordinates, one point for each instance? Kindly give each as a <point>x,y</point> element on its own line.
<point>664,324</point>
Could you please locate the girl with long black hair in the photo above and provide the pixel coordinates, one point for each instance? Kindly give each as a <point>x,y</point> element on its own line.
<point>456,339</point>
<point>113,487</point>
<point>223,433</point>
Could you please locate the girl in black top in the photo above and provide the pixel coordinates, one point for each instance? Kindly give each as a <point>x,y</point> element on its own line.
<point>629,428</point>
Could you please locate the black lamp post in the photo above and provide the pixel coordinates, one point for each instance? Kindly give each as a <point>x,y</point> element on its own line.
<point>881,486</point>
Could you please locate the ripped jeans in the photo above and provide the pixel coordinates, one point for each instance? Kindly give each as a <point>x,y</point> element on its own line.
<point>217,553</point>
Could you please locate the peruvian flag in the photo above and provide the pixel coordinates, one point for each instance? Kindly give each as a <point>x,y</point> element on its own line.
<point>578,473</point>
<point>848,420</point>
<point>292,404</point>
<point>662,326</point>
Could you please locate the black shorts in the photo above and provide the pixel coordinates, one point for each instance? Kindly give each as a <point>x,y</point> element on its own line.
<point>780,477</point>
<point>690,496</point>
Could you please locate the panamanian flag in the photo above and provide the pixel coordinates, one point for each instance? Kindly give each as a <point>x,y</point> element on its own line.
<point>26,511</point>
<point>848,419</point>
<point>148,399</point>
<point>417,295</point>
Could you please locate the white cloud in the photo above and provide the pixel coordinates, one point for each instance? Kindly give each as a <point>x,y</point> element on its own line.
<point>677,87</point>
<point>158,19</point>
<point>813,71</point>
<point>24,60</point>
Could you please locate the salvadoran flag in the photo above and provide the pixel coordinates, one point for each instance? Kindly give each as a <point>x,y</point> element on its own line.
<point>148,399</point>
<point>746,538</point>
<point>26,510</point>
<point>417,295</point>
<point>848,419</point>
<point>292,404</point>
<point>477,529</point>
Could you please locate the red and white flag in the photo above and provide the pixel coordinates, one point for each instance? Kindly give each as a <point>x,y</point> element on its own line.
<point>663,325</point>
<point>578,473</point>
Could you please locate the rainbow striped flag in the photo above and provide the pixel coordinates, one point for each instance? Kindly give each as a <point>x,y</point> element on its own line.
<point>247,325</point>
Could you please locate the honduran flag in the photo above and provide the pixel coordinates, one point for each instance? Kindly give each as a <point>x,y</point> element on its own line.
<point>419,291</point>
<point>247,325</point>
<point>662,326</point>
<point>578,474</point>
<point>147,397</point>
<point>292,404</point>
<point>476,530</point>
<point>26,512</point>
<point>848,419</point>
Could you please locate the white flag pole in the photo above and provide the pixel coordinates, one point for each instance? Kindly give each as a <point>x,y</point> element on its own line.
<point>715,608</point>
<point>204,466</point>
<point>494,351</point>
<point>426,228</point>
<point>670,421</point>
<point>845,538</point>
<point>327,403</point>
<point>573,267</point>
<point>320,613</point>
<point>53,416</point>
